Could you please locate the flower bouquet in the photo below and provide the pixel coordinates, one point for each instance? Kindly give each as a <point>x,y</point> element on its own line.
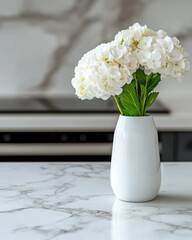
<point>128,69</point>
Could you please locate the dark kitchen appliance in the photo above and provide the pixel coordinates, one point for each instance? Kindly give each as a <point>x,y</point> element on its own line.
<point>65,105</point>
<point>23,134</point>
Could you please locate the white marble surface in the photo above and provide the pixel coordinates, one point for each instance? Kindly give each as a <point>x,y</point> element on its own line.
<point>72,201</point>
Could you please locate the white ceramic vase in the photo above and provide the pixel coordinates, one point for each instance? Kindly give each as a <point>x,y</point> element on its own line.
<point>135,164</point>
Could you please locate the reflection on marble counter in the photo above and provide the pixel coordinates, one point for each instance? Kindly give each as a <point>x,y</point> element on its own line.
<point>72,201</point>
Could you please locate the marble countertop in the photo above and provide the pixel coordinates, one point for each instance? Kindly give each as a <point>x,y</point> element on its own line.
<point>72,201</point>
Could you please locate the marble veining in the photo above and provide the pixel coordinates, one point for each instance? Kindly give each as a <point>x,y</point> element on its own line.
<point>54,201</point>
<point>41,41</point>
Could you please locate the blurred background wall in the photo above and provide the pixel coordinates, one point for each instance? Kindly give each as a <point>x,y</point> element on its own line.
<point>41,41</point>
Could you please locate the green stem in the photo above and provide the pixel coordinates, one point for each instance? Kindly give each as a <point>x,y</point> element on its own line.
<point>116,100</point>
<point>144,98</point>
<point>137,90</point>
<point>143,103</point>
<point>137,87</point>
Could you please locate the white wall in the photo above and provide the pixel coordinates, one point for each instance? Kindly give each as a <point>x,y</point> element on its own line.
<point>41,41</point>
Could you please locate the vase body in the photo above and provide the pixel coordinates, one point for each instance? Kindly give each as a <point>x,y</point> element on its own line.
<point>135,164</point>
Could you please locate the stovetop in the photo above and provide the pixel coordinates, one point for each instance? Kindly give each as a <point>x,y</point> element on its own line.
<point>65,105</point>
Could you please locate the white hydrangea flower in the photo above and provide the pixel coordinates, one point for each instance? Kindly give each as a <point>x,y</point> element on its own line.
<point>103,71</point>
<point>161,34</point>
<point>166,44</point>
<point>130,37</point>
<point>154,61</point>
<point>145,43</point>
<point>155,51</point>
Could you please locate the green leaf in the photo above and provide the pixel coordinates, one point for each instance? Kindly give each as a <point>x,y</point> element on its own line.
<point>142,98</point>
<point>140,76</point>
<point>150,99</point>
<point>153,82</point>
<point>128,101</point>
<point>137,96</point>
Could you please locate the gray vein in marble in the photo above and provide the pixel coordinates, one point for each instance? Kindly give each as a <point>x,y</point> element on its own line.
<point>59,55</point>
<point>60,32</point>
<point>54,201</point>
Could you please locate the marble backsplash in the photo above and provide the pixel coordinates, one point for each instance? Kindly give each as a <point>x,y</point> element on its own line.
<point>41,41</point>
